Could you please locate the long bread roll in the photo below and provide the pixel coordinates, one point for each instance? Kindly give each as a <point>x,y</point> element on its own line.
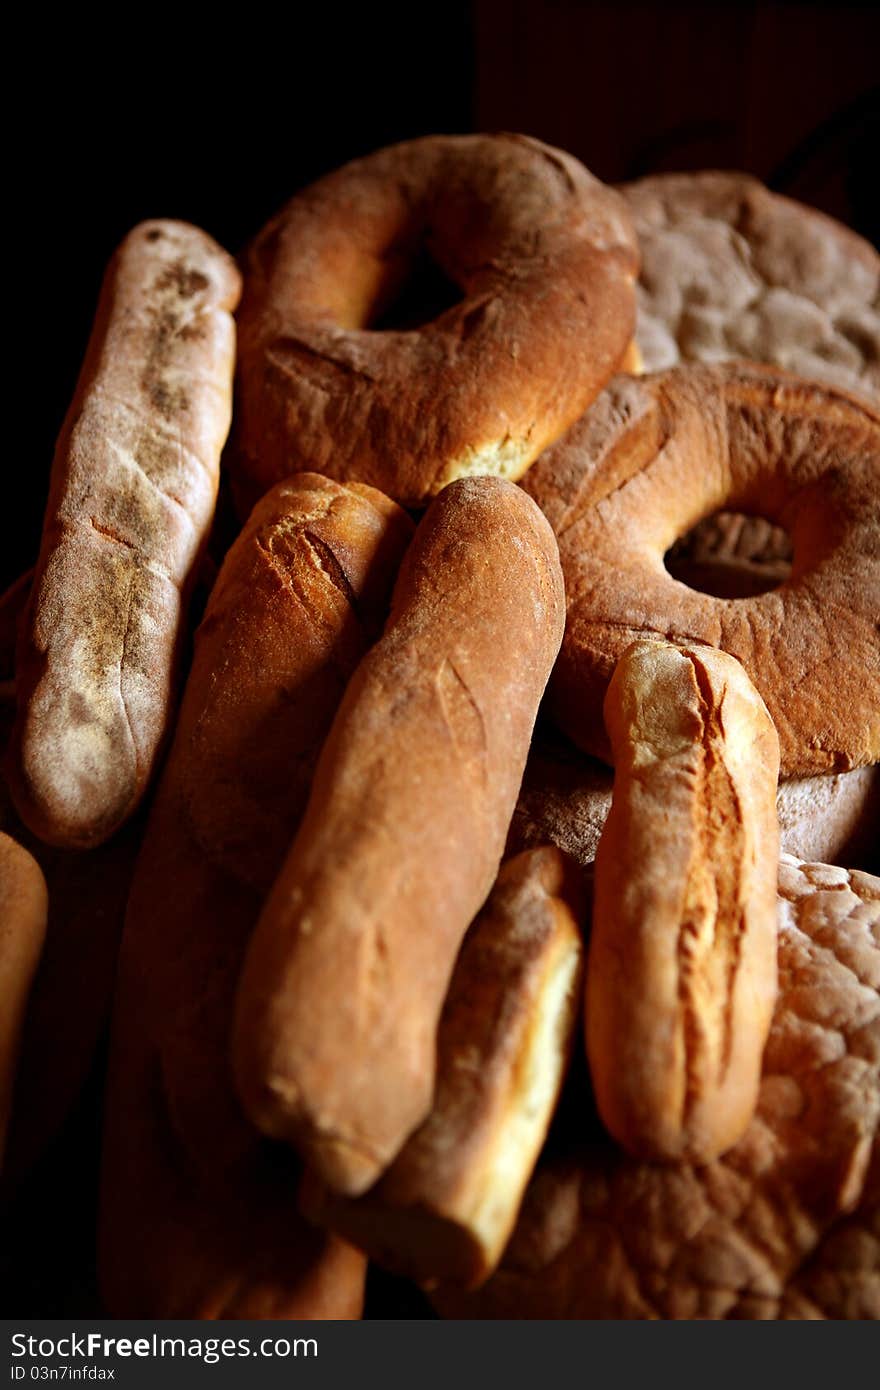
<point>681,975</point>
<point>198,1211</point>
<point>445,1208</point>
<point>131,496</point>
<point>23,908</point>
<point>347,970</point>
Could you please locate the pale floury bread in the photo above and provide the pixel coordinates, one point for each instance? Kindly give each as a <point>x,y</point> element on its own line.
<point>787,1224</point>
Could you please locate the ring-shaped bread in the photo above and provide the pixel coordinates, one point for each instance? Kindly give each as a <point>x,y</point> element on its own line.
<point>544,258</point>
<point>655,455</point>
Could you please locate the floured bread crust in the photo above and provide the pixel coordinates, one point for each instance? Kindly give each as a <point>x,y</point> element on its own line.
<point>786,1224</point>
<point>131,497</point>
<point>731,270</point>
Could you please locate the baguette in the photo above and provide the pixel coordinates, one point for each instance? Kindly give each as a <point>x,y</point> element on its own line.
<point>214,1230</point>
<point>347,970</point>
<point>681,978</point>
<point>131,497</point>
<point>445,1208</point>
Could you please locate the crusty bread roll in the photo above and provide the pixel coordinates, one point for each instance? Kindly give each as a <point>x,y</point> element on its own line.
<point>347,970</point>
<point>681,975</point>
<point>213,1229</point>
<point>131,497</point>
<point>23,909</point>
<point>445,1208</point>
<point>787,1223</point>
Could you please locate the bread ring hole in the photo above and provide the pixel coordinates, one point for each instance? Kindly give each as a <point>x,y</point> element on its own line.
<point>731,555</point>
<point>414,293</point>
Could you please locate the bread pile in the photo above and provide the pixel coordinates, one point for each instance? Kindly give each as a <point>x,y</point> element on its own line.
<point>549,1004</point>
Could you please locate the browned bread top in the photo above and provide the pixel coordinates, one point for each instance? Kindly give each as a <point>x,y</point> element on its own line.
<point>542,260</point>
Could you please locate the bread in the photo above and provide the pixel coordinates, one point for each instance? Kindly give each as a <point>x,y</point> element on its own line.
<point>787,1223</point>
<point>536,263</point>
<point>347,970</point>
<point>653,455</point>
<point>445,1208</point>
<point>681,974</point>
<point>131,497</point>
<point>213,1231</point>
<point>566,795</point>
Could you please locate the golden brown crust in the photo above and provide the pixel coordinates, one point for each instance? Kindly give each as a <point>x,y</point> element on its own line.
<point>347,970</point>
<point>681,976</point>
<point>304,594</point>
<point>214,1231</point>
<point>654,455</point>
<point>785,1225</point>
<point>131,497</point>
<point>545,261</point>
<point>445,1208</point>
<point>23,909</point>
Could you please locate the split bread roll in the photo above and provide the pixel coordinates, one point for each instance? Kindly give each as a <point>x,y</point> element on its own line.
<point>445,1208</point>
<point>347,970</point>
<point>681,976</point>
<point>131,496</point>
<point>198,1211</point>
<point>23,909</point>
<point>787,1223</point>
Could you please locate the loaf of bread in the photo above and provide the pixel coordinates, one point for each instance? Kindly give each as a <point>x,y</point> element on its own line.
<point>681,977</point>
<point>131,496</point>
<point>445,1208</point>
<point>347,970</point>
<point>787,1223</point>
<point>198,1212</point>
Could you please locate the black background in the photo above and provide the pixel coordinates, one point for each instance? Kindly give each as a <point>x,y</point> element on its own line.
<point>155,112</point>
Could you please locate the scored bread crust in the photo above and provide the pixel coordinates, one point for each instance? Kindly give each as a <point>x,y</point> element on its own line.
<point>785,1225</point>
<point>653,456</point>
<point>213,1230</point>
<point>681,973</point>
<point>545,260</point>
<point>348,967</point>
<point>131,497</point>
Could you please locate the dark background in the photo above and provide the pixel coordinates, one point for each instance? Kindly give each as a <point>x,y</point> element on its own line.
<point>219,125</point>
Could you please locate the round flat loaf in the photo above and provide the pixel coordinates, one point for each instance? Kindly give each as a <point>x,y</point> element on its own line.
<point>787,1224</point>
<point>731,270</point>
